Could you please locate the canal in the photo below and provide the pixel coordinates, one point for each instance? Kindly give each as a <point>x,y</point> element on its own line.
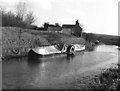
<point>55,72</point>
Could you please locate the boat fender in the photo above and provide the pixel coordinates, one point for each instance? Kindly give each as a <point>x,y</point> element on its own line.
<point>72,49</point>
<point>64,48</point>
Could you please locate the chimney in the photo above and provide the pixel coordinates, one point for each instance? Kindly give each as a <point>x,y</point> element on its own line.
<point>77,22</point>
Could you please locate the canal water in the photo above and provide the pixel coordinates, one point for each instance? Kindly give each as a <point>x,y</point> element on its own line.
<point>54,72</point>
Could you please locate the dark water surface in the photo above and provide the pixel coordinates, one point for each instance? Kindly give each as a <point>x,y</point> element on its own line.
<point>53,72</point>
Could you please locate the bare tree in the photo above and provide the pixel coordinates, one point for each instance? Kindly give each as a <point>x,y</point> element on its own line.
<point>23,14</point>
<point>21,10</point>
<point>20,14</point>
<point>29,18</point>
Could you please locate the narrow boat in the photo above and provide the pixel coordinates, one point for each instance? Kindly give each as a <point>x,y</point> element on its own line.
<point>66,48</point>
<point>46,51</point>
<point>53,50</point>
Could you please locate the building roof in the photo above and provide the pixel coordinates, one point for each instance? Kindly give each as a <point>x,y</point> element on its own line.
<point>53,28</point>
<point>68,26</point>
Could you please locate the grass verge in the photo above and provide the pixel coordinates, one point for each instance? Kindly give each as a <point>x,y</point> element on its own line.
<point>109,80</point>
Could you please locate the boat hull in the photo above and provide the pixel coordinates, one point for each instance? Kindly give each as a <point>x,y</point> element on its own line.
<point>33,55</point>
<point>37,54</point>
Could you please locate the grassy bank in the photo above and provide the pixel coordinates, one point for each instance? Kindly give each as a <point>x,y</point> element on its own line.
<point>16,42</point>
<point>12,45</point>
<point>109,80</point>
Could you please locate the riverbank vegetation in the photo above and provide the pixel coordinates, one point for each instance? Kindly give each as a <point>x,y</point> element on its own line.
<point>109,80</point>
<point>105,39</point>
<point>17,41</point>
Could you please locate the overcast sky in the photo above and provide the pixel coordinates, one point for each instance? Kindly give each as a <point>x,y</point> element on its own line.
<point>97,16</point>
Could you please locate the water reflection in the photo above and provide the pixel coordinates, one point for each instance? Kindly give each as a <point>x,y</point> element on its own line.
<point>45,59</point>
<point>49,68</point>
<point>33,62</point>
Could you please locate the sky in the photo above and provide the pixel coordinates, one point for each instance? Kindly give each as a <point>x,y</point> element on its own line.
<point>96,16</point>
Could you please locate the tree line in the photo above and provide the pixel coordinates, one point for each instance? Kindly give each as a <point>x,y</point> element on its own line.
<point>20,18</point>
<point>25,19</point>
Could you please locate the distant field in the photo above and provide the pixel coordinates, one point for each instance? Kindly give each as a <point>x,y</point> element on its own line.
<point>106,39</point>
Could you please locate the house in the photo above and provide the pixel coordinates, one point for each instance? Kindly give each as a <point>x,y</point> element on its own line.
<point>41,28</point>
<point>52,28</point>
<point>72,29</point>
<point>67,29</point>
